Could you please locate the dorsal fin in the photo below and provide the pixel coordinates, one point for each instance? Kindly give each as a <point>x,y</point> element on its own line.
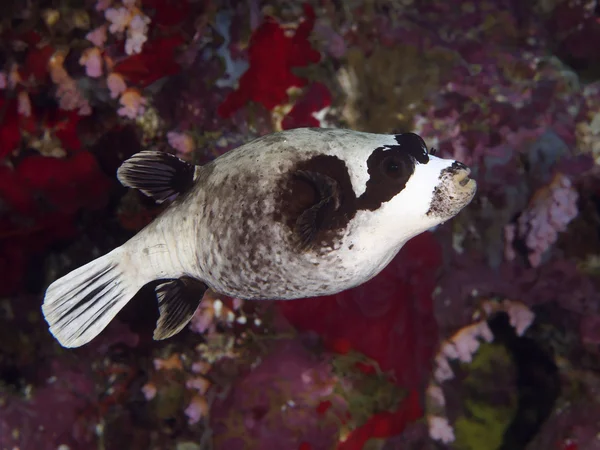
<point>328,200</point>
<point>157,174</point>
<point>177,302</point>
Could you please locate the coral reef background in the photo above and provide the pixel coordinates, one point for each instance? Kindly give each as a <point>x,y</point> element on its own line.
<point>482,334</point>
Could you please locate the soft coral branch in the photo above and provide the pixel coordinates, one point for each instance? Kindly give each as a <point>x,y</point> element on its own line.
<point>272,55</point>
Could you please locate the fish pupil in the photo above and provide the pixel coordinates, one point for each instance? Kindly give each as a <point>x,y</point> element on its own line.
<point>392,167</point>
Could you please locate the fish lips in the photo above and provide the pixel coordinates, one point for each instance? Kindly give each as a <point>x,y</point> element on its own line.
<point>454,192</point>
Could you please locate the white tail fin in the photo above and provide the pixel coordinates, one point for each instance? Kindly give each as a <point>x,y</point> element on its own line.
<point>81,304</point>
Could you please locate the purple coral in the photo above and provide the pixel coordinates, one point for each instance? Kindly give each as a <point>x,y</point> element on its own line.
<point>54,417</point>
<point>549,214</point>
<point>278,401</point>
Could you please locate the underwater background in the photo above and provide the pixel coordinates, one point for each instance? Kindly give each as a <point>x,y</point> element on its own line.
<point>481,334</point>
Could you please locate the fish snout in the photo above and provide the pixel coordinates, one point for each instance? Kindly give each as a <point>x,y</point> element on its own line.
<point>455,190</point>
<point>461,180</point>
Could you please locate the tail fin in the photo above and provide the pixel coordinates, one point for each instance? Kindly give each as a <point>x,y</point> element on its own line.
<point>81,304</point>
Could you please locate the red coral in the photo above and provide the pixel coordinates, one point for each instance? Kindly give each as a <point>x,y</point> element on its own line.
<point>168,13</point>
<point>36,63</point>
<point>272,55</point>
<point>156,61</point>
<point>389,319</point>
<point>65,184</point>
<point>64,124</point>
<point>314,100</point>
<point>41,197</point>
<point>569,445</point>
<point>384,424</point>
<point>323,407</point>
<point>12,124</point>
<point>10,133</point>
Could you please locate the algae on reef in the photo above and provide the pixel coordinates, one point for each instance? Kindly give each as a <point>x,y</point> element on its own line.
<point>392,84</point>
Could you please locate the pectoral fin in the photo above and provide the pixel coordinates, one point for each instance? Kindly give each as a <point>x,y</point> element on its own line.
<point>157,174</point>
<point>312,219</point>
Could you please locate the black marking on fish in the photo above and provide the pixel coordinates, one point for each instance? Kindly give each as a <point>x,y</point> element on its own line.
<point>178,300</point>
<point>328,201</point>
<point>105,307</point>
<point>455,167</point>
<point>89,297</point>
<point>390,167</point>
<point>414,145</point>
<point>157,174</point>
<point>317,201</point>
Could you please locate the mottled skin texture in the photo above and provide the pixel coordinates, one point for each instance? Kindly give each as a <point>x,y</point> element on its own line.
<point>300,213</point>
<point>235,229</point>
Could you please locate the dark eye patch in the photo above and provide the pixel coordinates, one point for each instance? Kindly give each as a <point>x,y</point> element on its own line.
<point>390,168</point>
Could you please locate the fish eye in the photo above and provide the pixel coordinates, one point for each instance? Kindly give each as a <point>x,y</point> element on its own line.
<point>392,166</point>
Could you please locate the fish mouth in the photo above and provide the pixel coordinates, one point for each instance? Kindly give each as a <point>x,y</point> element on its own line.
<point>455,191</point>
<point>464,178</point>
<point>463,181</point>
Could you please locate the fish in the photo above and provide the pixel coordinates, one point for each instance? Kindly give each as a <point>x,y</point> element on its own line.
<point>306,212</point>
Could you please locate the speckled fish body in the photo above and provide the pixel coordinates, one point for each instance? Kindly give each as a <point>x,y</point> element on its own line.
<point>295,214</point>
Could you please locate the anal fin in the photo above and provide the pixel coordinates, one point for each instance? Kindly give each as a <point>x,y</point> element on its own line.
<point>178,300</point>
<point>157,174</point>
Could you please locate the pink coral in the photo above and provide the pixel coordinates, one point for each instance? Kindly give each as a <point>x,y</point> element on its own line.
<point>92,60</point>
<point>102,5</point>
<point>137,34</point>
<point>182,142</point>
<point>97,36</point>
<point>69,96</point>
<point>197,409</point>
<point>550,213</point>
<point>24,103</point>
<point>149,391</point>
<point>119,19</point>
<point>133,104</point>
<point>116,85</point>
<point>440,429</point>
<point>198,384</point>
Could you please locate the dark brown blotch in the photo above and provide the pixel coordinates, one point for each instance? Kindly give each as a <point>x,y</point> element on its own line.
<point>317,200</point>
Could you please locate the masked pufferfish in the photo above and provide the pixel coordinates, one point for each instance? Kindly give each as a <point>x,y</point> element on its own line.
<point>299,213</point>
